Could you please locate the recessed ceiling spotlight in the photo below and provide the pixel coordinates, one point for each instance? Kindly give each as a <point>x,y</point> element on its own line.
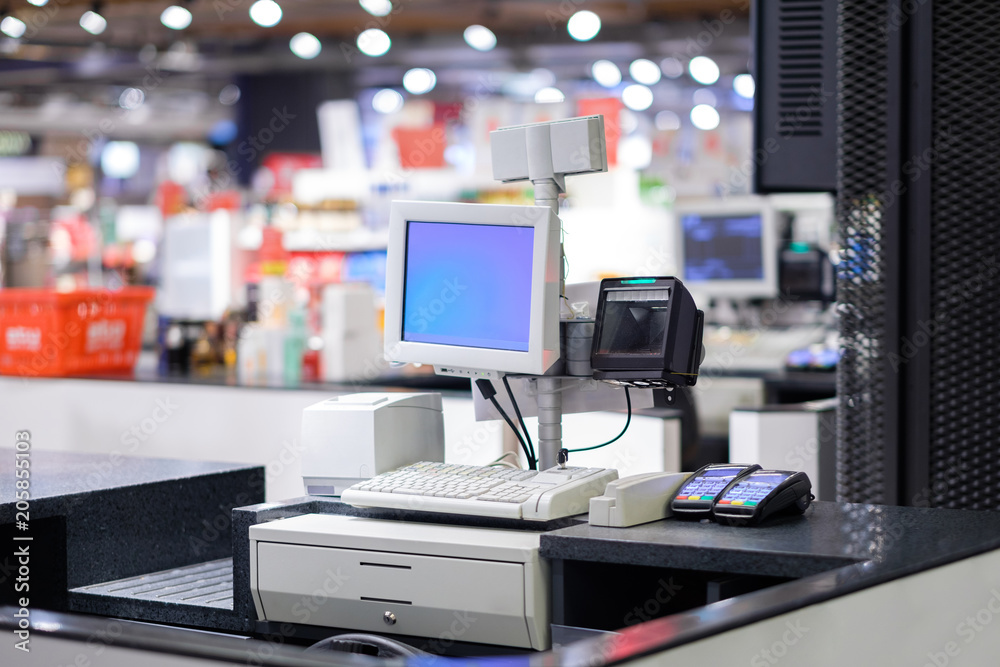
<point>644,71</point>
<point>671,67</point>
<point>176,17</point>
<point>265,13</point>
<point>12,26</point>
<point>93,22</point>
<point>606,73</point>
<point>374,42</point>
<point>637,97</point>
<point>744,85</point>
<point>376,7</point>
<point>230,94</point>
<point>584,26</point>
<point>419,80</point>
<point>387,100</point>
<point>667,120</point>
<point>305,45</point>
<point>549,95</point>
<point>703,70</point>
<point>480,38</point>
<point>131,98</point>
<point>705,117</point>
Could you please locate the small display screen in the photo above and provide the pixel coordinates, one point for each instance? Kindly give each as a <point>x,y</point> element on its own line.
<point>723,247</point>
<point>753,489</point>
<point>722,472</point>
<point>468,285</point>
<point>708,485</point>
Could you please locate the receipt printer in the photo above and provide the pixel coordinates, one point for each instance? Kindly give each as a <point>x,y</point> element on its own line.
<point>348,439</point>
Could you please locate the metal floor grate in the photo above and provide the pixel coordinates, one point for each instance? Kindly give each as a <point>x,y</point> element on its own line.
<point>204,585</point>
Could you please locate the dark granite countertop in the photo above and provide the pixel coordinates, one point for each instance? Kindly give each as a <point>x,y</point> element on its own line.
<point>98,518</point>
<point>787,547</point>
<point>57,474</point>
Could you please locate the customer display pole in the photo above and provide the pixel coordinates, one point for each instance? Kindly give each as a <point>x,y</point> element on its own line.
<point>545,153</point>
<point>550,388</point>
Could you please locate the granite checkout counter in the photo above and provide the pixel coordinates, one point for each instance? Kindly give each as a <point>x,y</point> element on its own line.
<point>843,584</point>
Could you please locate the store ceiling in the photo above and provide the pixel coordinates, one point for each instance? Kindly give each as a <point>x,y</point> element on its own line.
<point>57,58</point>
<point>221,25</point>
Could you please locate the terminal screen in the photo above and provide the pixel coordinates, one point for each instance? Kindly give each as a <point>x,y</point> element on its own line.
<point>723,247</point>
<point>468,285</point>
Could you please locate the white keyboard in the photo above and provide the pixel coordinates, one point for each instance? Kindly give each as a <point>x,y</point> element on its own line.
<point>490,491</point>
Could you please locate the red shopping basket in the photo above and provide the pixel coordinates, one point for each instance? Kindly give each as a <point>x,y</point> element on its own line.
<point>46,333</point>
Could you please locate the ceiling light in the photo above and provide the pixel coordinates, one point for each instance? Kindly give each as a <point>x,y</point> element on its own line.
<point>667,120</point>
<point>120,159</point>
<point>131,98</point>
<point>606,73</point>
<point>175,17</point>
<point>705,117</point>
<point>265,13</point>
<point>374,42</point>
<point>387,100</point>
<point>704,70</point>
<point>305,45</point>
<point>671,67</point>
<point>93,22</point>
<point>39,3</point>
<point>744,85</point>
<point>480,38</point>
<point>644,71</point>
<point>704,96</point>
<point>12,26</point>
<point>637,97</point>
<point>230,94</point>
<point>549,95</point>
<point>419,80</point>
<point>376,7</point>
<point>584,26</point>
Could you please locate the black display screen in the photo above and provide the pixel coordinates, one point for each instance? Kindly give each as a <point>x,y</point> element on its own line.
<point>723,247</point>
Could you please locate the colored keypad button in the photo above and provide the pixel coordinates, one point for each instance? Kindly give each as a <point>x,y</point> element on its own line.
<point>737,502</point>
<point>752,503</point>
<point>724,502</point>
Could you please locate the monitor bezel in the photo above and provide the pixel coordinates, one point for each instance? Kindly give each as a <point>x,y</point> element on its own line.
<point>748,288</point>
<point>543,336</point>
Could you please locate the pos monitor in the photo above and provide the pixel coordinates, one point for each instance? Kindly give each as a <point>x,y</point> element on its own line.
<point>728,248</point>
<point>473,289</point>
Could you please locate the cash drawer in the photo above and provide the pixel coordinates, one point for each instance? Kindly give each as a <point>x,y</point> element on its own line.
<point>448,583</point>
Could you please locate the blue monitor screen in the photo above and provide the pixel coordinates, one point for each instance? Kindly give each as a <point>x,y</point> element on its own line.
<point>723,247</point>
<point>468,285</point>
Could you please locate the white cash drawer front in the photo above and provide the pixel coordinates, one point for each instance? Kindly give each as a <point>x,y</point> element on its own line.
<point>454,599</point>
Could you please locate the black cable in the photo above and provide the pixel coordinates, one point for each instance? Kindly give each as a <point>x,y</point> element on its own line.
<point>489,392</point>
<point>628,402</point>
<point>520,420</point>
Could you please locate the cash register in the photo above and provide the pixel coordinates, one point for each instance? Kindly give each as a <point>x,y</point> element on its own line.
<point>475,290</point>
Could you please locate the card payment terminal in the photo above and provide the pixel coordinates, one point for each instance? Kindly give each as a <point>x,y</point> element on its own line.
<point>696,498</point>
<point>761,494</point>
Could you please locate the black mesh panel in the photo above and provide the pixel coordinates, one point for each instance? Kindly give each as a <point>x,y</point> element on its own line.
<point>965,276</point>
<point>861,285</point>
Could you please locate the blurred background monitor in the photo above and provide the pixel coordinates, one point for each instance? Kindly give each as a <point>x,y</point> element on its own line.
<point>728,249</point>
